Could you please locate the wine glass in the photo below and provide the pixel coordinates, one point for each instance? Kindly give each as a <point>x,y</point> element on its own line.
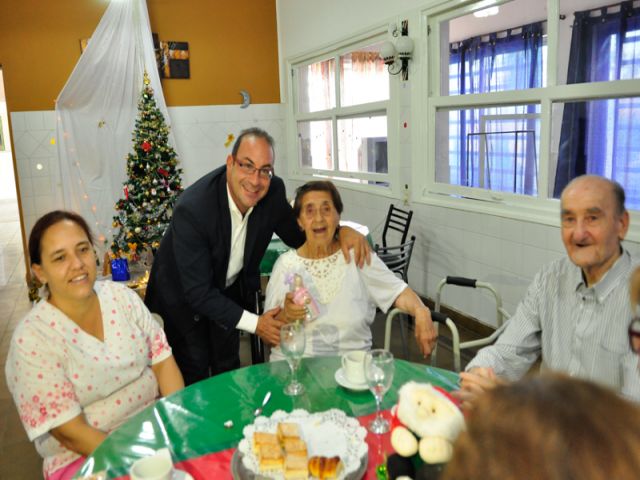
<point>378,370</point>
<point>292,344</point>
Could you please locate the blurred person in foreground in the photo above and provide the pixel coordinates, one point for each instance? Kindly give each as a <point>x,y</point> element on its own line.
<point>575,314</point>
<point>346,296</point>
<point>88,356</point>
<point>549,427</point>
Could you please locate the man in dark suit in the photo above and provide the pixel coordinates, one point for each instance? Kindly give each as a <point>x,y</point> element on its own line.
<point>206,271</point>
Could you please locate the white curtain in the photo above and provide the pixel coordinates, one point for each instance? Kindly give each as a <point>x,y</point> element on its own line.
<point>96,113</point>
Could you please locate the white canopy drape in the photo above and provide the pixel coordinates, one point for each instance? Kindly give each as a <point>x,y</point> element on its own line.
<point>96,113</point>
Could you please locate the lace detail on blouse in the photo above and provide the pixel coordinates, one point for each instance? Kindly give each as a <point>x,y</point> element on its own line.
<point>327,273</point>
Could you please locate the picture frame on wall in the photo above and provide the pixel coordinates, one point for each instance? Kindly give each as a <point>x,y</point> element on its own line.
<point>172,58</point>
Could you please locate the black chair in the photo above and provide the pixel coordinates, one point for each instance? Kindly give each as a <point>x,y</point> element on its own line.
<point>397,259</point>
<point>398,220</point>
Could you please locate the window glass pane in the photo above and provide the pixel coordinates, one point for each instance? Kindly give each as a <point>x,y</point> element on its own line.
<point>363,77</point>
<point>504,51</point>
<point>315,144</point>
<point>598,137</point>
<point>362,144</point>
<point>317,86</point>
<point>604,43</point>
<point>491,148</point>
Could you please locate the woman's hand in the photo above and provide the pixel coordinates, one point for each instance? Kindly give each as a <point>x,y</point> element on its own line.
<point>78,436</point>
<point>426,334</point>
<point>293,311</point>
<point>348,239</point>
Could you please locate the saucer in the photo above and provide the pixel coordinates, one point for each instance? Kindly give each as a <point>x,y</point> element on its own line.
<point>343,381</point>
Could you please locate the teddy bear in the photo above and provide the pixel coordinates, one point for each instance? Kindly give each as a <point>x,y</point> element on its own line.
<point>426,423</point>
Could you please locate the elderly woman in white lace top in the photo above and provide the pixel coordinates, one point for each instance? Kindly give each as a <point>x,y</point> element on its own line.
<point>346,296</point>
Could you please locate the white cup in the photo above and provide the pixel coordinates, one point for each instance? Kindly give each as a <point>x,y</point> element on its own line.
<point>155,467</point>
<point>353,366</point>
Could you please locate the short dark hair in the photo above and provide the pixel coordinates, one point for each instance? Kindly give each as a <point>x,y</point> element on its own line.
<point>44,223</point>
<point>253,132</point>
<point>317,186</point>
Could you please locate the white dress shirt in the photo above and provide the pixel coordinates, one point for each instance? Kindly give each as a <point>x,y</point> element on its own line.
<point>248,321</point>
<point>578,330</point>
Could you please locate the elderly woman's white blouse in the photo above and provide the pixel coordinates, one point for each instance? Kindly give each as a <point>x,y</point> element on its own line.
<point>347,297</point>
<point>56,371</point>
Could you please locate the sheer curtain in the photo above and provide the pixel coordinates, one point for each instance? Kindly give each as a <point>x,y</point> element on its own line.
<point>598,137</point>
<point>509,60</point>
<point>96,112</point>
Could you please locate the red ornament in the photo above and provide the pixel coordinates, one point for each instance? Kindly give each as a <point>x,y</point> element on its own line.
<point>146,146</point>
<point>126,192</point>
<point>163,172</point>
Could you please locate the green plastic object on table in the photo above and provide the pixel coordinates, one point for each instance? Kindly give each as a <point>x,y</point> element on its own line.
<point>191,422</point>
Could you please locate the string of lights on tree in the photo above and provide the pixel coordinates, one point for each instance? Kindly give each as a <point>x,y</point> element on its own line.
<point>152,186</point>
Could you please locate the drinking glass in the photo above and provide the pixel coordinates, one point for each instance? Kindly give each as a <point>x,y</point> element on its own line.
<point>378,370</point>
<point>292,344</point>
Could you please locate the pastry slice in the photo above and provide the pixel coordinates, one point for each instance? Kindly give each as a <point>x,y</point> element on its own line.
<point>325,467</point>
<point>270,457</point>
<point>295,466</point>
<point>294,445</point>
<point>288,430</point>
<point>263,438</point>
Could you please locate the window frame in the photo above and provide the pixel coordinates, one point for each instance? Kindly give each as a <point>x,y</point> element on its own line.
<point>378,33</point>
<point>540,209</point>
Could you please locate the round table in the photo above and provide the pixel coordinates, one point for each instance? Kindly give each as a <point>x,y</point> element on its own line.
<point>191,422</point>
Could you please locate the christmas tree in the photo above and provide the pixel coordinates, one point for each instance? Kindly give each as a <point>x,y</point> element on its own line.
<point>152,186</point>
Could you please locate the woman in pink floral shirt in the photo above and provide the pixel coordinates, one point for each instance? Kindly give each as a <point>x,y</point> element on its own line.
<point>86,359</point>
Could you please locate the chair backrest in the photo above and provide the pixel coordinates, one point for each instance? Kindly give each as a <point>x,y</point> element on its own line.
<point>398,220</point>
<point>397,258</point>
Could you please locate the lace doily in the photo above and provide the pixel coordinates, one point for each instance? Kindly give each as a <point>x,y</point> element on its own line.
<point>327,434</point>
<point>327,273</point>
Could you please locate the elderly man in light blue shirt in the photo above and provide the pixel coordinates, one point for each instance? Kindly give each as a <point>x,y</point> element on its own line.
<point>576,312</point>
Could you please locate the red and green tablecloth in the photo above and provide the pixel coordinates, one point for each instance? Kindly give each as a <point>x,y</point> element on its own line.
<point>191,422</point>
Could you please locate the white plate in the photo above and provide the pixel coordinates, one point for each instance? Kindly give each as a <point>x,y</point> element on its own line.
<point>330,433</point>
<point>343,381</point>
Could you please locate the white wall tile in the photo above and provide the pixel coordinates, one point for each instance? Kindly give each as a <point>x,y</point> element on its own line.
<point>35,121</point>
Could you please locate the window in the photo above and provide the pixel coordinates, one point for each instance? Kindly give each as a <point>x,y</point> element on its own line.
<point>341,116</point>
<point>523,102</point>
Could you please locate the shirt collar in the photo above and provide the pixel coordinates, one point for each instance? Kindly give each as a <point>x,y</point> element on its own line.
<point>233,208</point>
<point>610,279</point>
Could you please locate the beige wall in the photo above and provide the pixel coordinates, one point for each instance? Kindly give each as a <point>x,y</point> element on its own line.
<point>233,47</point>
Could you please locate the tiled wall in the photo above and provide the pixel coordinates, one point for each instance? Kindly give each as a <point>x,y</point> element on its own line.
<point>200,134</point>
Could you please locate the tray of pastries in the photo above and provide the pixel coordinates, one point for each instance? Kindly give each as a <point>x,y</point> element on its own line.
<point>302,445</point>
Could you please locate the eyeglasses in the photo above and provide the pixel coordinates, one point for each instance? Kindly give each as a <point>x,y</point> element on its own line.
<point>266,173</point>
<point>634,335</point>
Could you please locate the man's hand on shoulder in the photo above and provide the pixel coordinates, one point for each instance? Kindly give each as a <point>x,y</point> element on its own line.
<point>268,327</point>
<point>349,238</point>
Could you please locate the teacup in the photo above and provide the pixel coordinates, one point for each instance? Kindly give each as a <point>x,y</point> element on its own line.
<point>155,467</point>
<point>353,366</point>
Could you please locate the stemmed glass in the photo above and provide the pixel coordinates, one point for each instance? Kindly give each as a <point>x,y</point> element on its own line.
<point>378,369</point>
<point>292,344</point>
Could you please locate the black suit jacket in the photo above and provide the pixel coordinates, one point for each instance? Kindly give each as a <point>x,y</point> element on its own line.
<point>187,281</point>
